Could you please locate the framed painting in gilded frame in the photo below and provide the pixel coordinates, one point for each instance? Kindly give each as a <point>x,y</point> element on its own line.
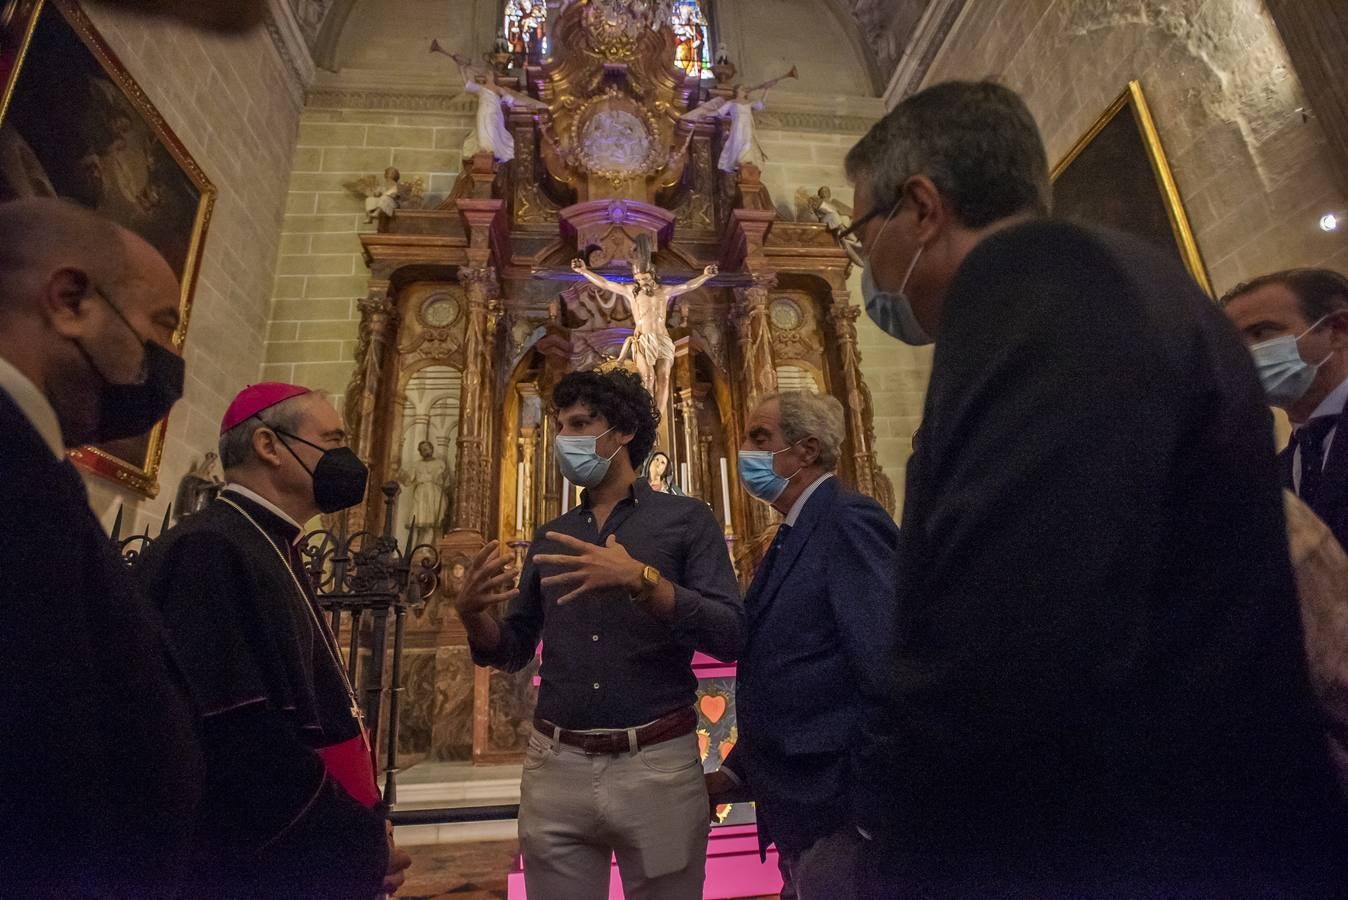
<point>74,124</point>
<point>1117,176</point>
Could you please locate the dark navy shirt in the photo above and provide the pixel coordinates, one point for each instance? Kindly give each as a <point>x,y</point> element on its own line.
<point>607,662</point>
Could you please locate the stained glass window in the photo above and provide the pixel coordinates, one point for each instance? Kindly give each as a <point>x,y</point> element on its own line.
<point>692,52</point>
<point>525,31</point>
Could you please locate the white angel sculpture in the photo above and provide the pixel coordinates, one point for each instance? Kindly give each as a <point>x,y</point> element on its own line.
<point>740,145</point>
<point>490,133</point>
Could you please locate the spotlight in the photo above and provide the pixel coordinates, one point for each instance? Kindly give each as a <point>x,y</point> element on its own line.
<point>1329,222</point>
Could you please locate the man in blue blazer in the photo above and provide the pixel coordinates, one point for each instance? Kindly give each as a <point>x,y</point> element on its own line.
<point>821,614</point>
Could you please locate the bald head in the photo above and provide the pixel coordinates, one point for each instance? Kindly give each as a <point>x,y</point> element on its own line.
<point>79,297</point>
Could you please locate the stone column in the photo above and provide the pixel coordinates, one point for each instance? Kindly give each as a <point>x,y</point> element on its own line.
<point>475,397</point>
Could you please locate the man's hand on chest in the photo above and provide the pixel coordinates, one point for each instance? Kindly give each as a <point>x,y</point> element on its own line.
<point>584,568</point>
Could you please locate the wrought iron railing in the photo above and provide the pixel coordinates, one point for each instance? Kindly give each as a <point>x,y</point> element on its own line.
<point>354,576</point>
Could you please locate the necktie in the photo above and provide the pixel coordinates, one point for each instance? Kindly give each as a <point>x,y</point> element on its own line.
<point>770,558</point>
<point>1310,440</point>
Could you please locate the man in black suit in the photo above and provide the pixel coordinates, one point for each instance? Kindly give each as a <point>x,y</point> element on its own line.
<point>1296,323</point>
<point>821,616</point>
<point>1099,688</point>
<point>101,771</point>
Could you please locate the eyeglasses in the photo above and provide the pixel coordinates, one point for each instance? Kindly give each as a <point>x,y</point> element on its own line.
<point>851,232</point>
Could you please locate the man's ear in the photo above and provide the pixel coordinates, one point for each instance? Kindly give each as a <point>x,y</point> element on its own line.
<point>1338,329</point>
<point>810,450</point>
<point>267,447</point>
<point>63,301</point>
<point>932,212</point>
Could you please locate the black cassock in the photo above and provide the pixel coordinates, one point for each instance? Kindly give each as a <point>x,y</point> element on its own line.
<point>272,700</point>
<point>100,771</point>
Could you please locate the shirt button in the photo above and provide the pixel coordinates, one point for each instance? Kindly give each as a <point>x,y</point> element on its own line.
<point>596,685</point>
<point>594,637</point>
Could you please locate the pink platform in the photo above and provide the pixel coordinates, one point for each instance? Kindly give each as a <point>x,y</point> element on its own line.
<point>733,866</point>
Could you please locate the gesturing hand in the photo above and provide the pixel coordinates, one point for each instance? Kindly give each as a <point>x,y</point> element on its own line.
<point>578,265</point>
<point>588,567</point>
<point>712,270</point>
<point>488,582</point>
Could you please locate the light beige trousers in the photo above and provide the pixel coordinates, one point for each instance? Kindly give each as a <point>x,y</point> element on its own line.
<point>649,808</point>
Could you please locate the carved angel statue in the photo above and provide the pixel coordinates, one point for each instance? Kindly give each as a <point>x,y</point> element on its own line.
<point>387,195</point>
<point>831,214</point>
<point>741,146</point>
<point>490,133</point>
<point>650,346</point>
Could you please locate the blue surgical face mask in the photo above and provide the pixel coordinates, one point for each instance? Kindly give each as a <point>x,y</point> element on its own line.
<point>758,476</point>
<point>893,312</point>
<point>579,459</point>
<point>1285,375</point>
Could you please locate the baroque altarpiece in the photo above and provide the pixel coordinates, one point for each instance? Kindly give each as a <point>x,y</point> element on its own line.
<point>473,313</point>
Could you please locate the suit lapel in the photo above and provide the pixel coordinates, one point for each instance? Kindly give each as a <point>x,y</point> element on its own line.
<point>1285,461</point>
<point>1334,482</point>
<point>810,517</point>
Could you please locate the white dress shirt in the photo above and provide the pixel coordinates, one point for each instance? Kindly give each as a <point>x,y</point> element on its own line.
<point>794,513</point>
<point>34,405</point>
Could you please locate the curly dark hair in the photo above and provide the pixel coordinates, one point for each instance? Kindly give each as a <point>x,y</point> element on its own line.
<point>620,398</point>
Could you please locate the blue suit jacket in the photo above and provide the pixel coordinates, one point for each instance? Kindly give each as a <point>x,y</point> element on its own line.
<point>820,625</point>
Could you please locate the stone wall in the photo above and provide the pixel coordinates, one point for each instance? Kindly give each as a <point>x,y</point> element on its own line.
<point>235,104</point>
<point>1253,171</point>
<point>320,273</point>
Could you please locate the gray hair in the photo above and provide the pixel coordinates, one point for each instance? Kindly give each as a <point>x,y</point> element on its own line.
<point>807,414</point>
<point>975,140</point>
<point>236,445</point>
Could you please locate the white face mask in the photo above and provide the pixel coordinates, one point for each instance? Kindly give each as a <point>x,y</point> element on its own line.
<point>579,459</point>
<point>1284,374</point>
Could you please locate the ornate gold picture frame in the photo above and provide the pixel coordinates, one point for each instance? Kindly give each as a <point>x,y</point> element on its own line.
<point>1117,175</point>
<point>74,124</point>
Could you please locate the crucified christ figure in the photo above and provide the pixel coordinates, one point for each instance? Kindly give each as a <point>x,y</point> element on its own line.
<point>649,346</point>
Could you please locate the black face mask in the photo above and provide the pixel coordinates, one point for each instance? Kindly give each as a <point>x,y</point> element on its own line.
<point>128,410</point>
<point>339,478</point>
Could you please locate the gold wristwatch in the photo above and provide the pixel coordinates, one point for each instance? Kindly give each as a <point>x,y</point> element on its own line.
<point>650,580</point>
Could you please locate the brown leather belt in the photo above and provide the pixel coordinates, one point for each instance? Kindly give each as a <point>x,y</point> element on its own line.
<point>665,728</point>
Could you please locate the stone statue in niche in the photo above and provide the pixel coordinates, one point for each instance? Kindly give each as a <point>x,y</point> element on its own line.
<point>830,214</point>
<point>741,147</point>
<point>650,345</point>
<point>428,481</point>
<point>490,134</point>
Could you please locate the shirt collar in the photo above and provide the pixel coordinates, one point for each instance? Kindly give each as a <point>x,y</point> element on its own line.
<point>255,497</point>
<point>1333,404</point>
<point>640,490</point>
<point>34,405</point>
<point>804,498</point>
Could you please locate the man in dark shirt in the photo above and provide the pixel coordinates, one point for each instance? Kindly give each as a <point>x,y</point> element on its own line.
<point>1098,685</point>
<point>622,590</point>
